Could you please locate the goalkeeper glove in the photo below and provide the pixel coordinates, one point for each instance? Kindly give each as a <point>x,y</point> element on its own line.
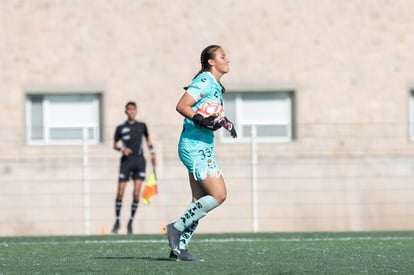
<point>212,123</point>
<point>229,126</point>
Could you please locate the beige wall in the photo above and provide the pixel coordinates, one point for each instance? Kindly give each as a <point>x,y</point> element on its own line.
<point>350,63</point>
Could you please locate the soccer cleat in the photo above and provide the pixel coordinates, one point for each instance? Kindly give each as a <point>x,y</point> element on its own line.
<point>129,227</point>
<point>173,236</point>
<point>184,255</point>
<point>116,227</point>
<point>172,256</point>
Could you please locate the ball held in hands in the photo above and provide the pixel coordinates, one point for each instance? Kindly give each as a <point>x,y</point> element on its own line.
<point>209,115</point>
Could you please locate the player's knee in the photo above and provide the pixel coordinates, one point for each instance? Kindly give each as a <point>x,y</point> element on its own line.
<point>220,198</point>
<point>120,195</point>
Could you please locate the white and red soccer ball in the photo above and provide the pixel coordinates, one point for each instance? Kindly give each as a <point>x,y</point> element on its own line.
<point>212,108</point>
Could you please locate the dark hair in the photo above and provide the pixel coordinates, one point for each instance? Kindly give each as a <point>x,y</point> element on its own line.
<point>130,103</point>
<point>207,54</point>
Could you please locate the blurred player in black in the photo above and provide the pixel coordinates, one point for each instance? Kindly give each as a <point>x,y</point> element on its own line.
<point>128,139</point>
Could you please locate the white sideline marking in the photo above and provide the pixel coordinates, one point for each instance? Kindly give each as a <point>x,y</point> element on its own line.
<point>216,240</point>
<point>309,239</point>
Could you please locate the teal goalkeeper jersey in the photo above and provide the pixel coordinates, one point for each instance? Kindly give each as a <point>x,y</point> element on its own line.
<point>204,88</point>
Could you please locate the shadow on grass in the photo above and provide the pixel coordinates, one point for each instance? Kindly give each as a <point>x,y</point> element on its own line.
<point>146,258</point>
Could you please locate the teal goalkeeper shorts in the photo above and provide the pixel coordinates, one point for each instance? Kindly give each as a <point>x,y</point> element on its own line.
<point>199,158</point>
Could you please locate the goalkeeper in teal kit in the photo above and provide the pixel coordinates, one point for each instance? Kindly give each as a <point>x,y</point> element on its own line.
<point>196,145</point>
<point>196,149</point>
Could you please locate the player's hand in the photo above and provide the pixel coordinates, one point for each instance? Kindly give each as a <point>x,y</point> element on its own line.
<point>212,123</point>
<point>153,161</point>
<point>127,151</point>
<point>229,126</point>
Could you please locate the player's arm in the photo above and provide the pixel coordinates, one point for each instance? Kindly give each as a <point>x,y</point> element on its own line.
<point>184,106</point>
<point>151,150</point>
<point>118,144</point>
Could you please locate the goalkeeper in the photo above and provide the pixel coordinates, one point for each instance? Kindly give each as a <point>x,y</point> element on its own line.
<point>196,150</point>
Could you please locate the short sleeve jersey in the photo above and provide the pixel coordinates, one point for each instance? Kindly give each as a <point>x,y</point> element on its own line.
<point>204,88</point>
<point>131,136</point>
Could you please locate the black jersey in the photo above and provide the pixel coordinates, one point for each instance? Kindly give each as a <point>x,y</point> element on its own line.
<point>131,136</point>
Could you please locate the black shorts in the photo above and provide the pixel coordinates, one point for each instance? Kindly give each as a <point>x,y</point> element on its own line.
<point>132,167</point>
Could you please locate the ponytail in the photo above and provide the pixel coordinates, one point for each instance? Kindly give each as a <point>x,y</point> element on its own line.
<point>200,72</point>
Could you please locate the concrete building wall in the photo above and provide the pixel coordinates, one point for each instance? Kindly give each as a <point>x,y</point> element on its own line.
<point>349,63</point>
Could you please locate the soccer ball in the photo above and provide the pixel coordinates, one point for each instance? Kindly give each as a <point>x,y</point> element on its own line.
<point>212,108</point>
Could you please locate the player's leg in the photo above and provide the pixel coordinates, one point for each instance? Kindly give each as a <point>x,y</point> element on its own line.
<point>135,202</point>
<point>203,171</point>
<point>207,195</point>
<point>207,187</point>
<point>118,205</point>
<point>215,187</point>
<point>123,178</point>
<point>185,239</point>
<point>138,176</point>
<point>187,234</point>
<point>176,231</point>
<point>135,196</point>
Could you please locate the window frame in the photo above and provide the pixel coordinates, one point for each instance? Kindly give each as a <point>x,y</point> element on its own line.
<point>46,140</point>
<point>411,115</point>
<point>224,138</point>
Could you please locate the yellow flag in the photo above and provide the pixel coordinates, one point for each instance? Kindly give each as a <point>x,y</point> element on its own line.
<point>150,188</point>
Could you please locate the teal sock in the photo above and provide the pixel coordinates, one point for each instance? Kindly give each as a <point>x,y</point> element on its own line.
<point>180,224</point>
<point>186,236</point>
<point>195,211</point>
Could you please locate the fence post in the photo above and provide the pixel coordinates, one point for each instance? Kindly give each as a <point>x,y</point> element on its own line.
<point>255,212</point>
<point>85,166</point>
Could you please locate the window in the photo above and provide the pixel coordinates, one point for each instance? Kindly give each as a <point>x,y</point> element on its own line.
<point>411,118</point>
<point>271,113</point>
<point>63,118</point>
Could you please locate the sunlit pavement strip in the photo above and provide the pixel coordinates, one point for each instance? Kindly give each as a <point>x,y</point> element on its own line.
<point>213,240</point>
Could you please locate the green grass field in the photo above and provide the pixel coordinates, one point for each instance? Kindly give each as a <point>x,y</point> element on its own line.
<point>264,253</point>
